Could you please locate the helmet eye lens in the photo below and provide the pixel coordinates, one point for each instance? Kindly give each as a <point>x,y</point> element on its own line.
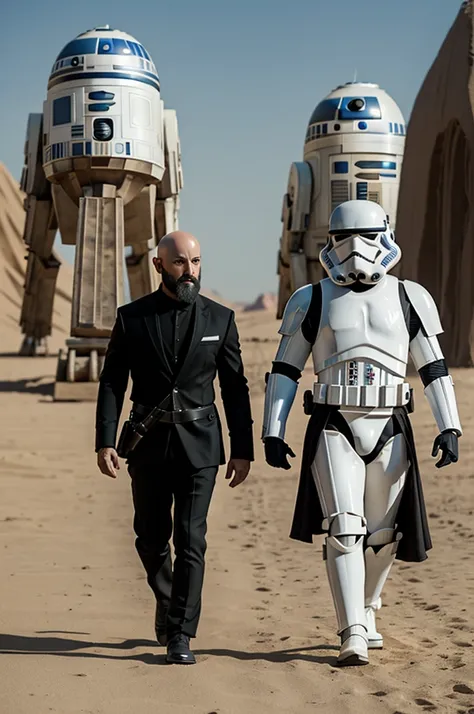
<point>342,236</point>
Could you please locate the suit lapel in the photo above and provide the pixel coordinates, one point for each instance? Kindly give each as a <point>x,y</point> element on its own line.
<point>154,329</point>
<point>199,326</point>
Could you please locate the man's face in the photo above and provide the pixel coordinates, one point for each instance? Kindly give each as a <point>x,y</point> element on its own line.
<point>181,273</point>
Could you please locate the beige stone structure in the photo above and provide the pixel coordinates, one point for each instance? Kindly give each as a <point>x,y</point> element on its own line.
<point>435,218</point>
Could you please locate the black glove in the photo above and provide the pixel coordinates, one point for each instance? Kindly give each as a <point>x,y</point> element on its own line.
<point>276,451</point>
<point>447,441</point>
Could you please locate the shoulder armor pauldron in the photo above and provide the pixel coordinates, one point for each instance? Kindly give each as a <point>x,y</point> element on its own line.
<point>295,310</point>
<point>425,307</point>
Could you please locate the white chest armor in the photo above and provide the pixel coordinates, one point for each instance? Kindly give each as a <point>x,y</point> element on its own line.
<point>361,350</point>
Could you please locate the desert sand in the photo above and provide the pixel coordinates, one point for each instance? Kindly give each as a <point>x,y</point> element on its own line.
<point>76,615</point>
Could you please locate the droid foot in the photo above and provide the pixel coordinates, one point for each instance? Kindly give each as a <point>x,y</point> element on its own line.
<point>33,347</point>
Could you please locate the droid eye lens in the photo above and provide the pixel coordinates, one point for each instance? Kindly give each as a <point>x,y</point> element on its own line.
<point>103,129</point>
<point>355,105</point>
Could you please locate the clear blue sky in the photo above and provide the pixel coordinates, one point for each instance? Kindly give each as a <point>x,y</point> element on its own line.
<point>244,78</point>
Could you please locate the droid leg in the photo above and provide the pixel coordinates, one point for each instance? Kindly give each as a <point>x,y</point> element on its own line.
<point>292,259</point>
<point>384,486</point>
<point>39,232</point>
<point>284,286</point>
<point>153,214</point>
<point>339,475</point>
<point>140,234</point>
<point>97,293</point>
<point>41,275</point>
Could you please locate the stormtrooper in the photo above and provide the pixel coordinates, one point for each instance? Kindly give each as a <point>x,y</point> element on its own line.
<point>359,482</point>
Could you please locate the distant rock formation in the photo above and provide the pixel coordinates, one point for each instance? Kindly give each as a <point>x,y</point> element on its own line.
<point>213,295</point>
<point>435,218</point>
<point>265,301</point>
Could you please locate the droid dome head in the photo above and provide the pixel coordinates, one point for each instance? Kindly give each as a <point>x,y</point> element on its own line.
<point>356,108</point>
<point>103,114</point>
<point>90,50</point>
<point>361,246</point>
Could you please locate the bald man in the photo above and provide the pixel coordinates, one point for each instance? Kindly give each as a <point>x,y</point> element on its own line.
<point>173,343</point>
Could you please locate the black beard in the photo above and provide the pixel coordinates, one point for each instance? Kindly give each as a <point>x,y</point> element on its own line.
<point>184,291</point>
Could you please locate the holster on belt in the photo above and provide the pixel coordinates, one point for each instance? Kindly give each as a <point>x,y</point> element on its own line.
<point>133,431</point>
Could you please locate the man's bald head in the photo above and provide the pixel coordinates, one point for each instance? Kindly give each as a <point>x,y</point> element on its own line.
<point>178,243</point>
<point>179,263</point>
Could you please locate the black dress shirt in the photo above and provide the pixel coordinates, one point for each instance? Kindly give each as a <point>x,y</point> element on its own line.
<point>176,321</point>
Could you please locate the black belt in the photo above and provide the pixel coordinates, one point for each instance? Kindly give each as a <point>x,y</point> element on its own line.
<point>179,416</point>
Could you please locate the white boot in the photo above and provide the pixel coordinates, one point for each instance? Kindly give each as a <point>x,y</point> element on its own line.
<point>375,639</point>
<point>345,566</point>
<point>353,647</point>
<point>377,568</point>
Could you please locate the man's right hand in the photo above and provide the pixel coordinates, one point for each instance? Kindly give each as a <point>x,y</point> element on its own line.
<point>108,461</point>
<point>276,451</point>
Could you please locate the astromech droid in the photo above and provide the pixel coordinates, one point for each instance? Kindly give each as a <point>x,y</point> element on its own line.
<point>102,166</point>
<point>353,150</point>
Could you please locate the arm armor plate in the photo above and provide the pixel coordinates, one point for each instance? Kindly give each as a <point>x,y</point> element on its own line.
<point>279,397</point>
<point>293,350</point>
<point>428,358</point>
<point>442,400</point>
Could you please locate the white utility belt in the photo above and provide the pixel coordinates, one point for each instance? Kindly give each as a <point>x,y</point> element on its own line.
<point>393,395</point>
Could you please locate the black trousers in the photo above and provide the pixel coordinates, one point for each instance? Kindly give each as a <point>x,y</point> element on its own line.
<point>157,481</point>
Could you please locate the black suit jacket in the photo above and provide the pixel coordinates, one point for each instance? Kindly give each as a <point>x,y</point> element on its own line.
<point>136,349</point>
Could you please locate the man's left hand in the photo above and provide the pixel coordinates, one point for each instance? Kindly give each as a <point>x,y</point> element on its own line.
<point>239,468</point>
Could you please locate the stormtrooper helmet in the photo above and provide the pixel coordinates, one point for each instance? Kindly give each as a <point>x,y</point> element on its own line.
<point>361,246</point>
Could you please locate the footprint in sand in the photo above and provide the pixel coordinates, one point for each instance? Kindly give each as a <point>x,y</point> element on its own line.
<point>463,628</point>
<point>463,689</point>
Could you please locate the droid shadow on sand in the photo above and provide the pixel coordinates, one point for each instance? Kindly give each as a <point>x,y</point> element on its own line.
<point>31,385</point>
<point>64,647</point>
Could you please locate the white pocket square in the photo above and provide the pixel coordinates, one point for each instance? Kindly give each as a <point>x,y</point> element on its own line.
<point>210,338</point>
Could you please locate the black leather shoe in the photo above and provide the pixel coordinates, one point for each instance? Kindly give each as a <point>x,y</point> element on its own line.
<point>160,623</point>
<point>178,650</point>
